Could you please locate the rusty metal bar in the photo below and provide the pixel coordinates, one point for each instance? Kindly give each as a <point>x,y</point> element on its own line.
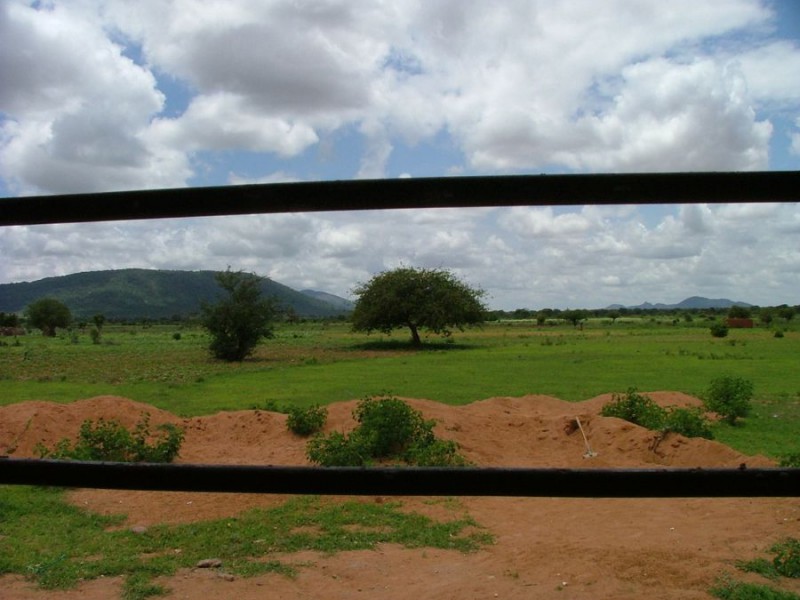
<point>443,192</point>
<point>573,483</point>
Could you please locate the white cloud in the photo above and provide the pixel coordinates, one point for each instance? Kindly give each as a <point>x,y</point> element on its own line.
<point>224,121</point>
<point>115,94</point>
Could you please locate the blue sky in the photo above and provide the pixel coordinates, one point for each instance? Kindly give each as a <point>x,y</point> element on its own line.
<point>109,95</point>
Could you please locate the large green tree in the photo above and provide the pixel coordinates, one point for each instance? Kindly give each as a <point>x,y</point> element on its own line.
<point>47,314</point>
<point>241,319</point>
<point>432,299</point>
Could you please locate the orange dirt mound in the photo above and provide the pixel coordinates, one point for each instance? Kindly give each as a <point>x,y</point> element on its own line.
<point>591,548</point>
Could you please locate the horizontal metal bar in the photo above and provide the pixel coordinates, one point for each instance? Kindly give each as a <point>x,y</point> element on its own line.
<point>550,190</point>
<point>575,483</point>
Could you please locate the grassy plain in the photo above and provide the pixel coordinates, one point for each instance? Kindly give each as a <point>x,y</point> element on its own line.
<point>320,363</point>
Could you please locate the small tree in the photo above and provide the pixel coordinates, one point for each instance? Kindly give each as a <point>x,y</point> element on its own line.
<point>729,397</point>
<point>47,314</point>
<point>237,323</point>
<point>416,298</point>
<point>576,317</point>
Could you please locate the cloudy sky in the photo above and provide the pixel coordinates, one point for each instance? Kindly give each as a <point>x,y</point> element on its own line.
<point>129,94</point>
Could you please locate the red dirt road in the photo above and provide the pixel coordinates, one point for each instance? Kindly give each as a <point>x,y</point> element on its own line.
<point>545,547</point>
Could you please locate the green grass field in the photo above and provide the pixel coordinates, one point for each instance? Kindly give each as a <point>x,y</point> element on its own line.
<point>316,363</point>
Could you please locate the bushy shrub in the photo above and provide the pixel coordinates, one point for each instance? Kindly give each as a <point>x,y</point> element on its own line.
<point>690,422</point>
<point>636,408</point>
<point>111,441</point>
<point>787,558</point>
<point>719,330</point>
<point>642,410</point>
<point>791,460</point>
<point>388,429</point>
<point>729,397</point>
<point>305,421</point>
<point>338,450</point>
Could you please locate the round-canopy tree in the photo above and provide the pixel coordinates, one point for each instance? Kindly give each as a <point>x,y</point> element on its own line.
<point>238,322</point>
<point>47,314</point>
<point>433,299</point>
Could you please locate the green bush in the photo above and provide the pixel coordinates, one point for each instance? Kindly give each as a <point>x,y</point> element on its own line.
<point>729,397</point>
<point>338,450</point>
<point>787,558</point>
<point>690,422</point>
<point>791,460</point>
<point>728,589</point>
<point>110,441</point>
<point>305,421</point>
<point>642,410</point>
<point>388,429</point>
<point>719,330</point>
<point>636,408</point>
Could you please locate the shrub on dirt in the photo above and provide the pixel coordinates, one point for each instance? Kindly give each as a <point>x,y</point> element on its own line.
<point>636,408</point>
<point>305,421</point>
<point>729,397</point>
<point>791,460</point>
<point>640,409</point>
<point>389,429</point>
<point>111,441</point>
<point>787,558</point>
<point>689,422</point>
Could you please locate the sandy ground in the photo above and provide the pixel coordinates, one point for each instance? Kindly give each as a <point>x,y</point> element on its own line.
<point>545,547</point>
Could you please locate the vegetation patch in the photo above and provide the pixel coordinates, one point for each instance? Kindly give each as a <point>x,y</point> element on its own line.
<point>108,440</point>
<point>641,410</point>
<point>389,430</point>
<point>729,397</point>
<point>58,545</point>
<point>729,589</point>
<point>305,421</point>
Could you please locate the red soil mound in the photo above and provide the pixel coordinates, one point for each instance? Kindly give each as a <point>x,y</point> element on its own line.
<point>526,431</point>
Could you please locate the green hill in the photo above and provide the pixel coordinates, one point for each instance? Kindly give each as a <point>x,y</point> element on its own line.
<point>142,293</point>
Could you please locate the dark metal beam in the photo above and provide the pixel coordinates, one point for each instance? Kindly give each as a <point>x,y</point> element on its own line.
<point>575,483</point>
<point>550,190</point>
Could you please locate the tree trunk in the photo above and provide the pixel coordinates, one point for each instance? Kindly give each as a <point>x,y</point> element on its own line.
<point>415,341</point>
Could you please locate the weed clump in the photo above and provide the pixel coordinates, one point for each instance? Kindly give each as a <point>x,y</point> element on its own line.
<point>388,430</point>
<point>636,408</point>
<point>729,397</point>
<point>791,460</point>
<point>641,410</point>
<point>111,441</point>
<point>305,421</point>
<point>719,330</point>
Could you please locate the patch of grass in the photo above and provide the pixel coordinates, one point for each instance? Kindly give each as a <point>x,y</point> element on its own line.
<point>728,589</point>
<point>58,545</point>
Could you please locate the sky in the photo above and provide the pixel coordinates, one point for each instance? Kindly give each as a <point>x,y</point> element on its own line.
<point>102,95</point>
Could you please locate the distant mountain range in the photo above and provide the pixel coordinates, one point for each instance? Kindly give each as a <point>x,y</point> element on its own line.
<point>153,294</point>
<point>692,302</point>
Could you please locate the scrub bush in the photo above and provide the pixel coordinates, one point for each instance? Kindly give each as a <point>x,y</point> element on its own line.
<point>636,408</point>
<point>690,422</point>
<point>388,430</point>
<point>111,441</point>
<point>305,421</point>
<point>729,397</point>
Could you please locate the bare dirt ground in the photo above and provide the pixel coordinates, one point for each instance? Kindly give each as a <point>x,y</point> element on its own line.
<point>545,547</point>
